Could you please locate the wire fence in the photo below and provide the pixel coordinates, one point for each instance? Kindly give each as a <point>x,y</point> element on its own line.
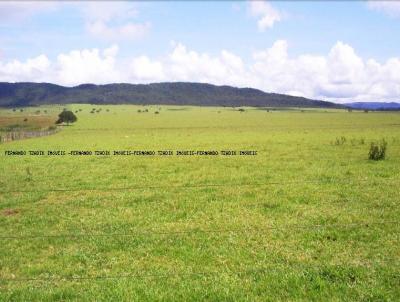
<point>190,186</point>
<point>18,135</point>
<point>261,128</point>
<point>135,275</point>
<point>198,230</point>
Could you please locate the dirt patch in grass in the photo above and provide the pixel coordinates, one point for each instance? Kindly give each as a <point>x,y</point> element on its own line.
<point>9,212</point>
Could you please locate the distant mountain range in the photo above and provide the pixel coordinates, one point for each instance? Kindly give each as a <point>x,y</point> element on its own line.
<point>374,105</point>
<point>176,93</point>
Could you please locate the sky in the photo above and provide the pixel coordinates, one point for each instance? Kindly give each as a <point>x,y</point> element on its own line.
<point>340,51</point>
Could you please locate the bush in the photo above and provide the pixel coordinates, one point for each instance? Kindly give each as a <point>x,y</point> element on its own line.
<point>377,151</point>
<point>156,112</point>
<point>340,141</point>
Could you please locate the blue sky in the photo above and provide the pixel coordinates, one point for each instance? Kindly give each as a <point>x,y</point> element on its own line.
<point>341,51</point>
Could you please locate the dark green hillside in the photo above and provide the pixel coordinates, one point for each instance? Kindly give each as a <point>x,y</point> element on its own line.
<point>179,93</point>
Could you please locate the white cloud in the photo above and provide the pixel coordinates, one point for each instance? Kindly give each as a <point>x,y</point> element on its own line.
<point>107,11</point>
<point>19,11</point>
<point>345,67</point>
<point>127,31</point>
<point>339,75</point>
<point>188,65</point>
<point>110,21</point>
<point>266,14</point>
<point>34,69</point>
<point>87,66</point>
<point>113,21</point>
<point>391,8</point>
<point>112,51</point>
<point>143,68</point>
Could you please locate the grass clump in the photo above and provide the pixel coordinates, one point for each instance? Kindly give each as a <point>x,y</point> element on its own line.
<point>340,141</point>
<point>377,151</point>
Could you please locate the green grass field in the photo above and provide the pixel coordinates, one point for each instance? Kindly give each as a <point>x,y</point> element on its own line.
<point>304,220</point>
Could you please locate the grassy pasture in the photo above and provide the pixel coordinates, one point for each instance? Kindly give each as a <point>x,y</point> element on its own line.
<point>304,220</point>
<point>25,122</point>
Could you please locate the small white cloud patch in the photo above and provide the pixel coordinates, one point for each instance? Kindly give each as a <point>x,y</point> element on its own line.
<point>266,14</point>
<point>390,8</point>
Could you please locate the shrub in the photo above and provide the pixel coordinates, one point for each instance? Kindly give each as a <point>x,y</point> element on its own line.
<point>25,119</point>
<point>28,174</point>
<point>241,110</point>
<point>366,111</point>
<point>340,141</point>
<point>377,151</point>
<point>156,112</point>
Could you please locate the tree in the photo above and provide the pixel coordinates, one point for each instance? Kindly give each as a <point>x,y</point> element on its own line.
<point>66,117</point>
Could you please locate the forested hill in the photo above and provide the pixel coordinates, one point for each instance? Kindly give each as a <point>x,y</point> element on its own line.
<point>177,93</point>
